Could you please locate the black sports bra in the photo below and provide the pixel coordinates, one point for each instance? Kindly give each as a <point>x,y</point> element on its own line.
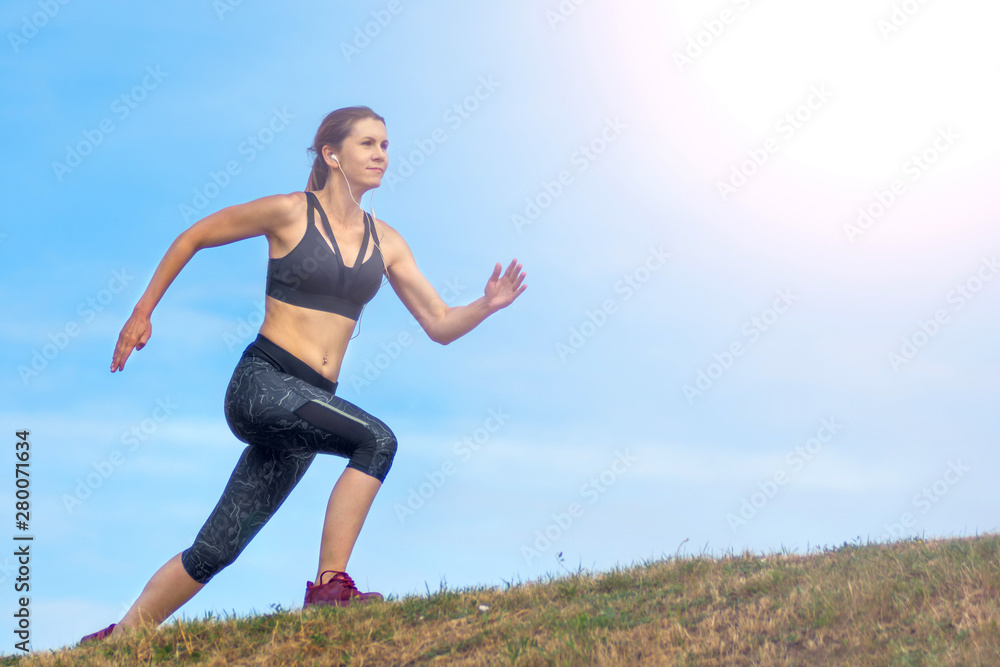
<point>314,276</point>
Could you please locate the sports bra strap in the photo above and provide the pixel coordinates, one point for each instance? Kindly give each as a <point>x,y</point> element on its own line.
<point>313,205</point>
<point>344,274</point>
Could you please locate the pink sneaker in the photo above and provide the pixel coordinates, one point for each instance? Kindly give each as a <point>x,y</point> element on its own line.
<point>340,591</point>
<point>100,634</point>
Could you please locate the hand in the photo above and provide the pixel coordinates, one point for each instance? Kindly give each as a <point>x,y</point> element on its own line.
<point>134,334</point>
<point>502,290</point>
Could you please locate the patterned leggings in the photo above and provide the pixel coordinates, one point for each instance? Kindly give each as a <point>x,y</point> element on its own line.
<point>286,412</point>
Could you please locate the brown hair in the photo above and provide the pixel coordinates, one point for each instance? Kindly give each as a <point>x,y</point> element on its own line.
<point>332,131</point>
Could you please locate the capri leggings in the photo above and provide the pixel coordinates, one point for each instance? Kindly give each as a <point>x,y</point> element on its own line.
<point>286,412</point>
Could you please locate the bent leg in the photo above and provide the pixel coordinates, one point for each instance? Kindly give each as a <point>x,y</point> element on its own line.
<point>337,426</point>
<point>306,418</point>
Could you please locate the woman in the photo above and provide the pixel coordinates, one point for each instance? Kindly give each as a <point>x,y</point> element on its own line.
<point>281,399</point>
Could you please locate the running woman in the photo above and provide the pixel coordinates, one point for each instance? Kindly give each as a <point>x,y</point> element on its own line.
<point>281,399</point>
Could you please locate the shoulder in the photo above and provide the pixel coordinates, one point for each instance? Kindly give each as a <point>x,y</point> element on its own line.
<point>290,203</point>
<point>280,210</point>
<point>384,228</point>
<point>391,241</point>
<point>386,232</point>
<point>281,202</point>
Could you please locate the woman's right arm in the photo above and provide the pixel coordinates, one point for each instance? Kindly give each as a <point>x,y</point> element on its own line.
<point>231,224</point>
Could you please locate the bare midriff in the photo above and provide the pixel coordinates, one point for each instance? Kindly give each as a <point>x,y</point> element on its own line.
<point>310,335</point>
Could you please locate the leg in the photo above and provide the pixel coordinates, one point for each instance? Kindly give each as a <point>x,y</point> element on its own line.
<point>261,481</point>
<point>169,588</point>
<point>259,484</point>
<point>307,419</point>
<point>350,501</point>
<point>334,425</point>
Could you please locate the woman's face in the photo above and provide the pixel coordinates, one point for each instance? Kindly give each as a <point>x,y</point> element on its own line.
<point>364,157</point>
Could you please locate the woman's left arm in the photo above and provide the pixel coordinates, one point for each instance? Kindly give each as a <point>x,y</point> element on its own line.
<point>442,323</point>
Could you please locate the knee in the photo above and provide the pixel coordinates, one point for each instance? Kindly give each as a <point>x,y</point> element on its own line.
<point>375,456</point>
<point>388,443</point>
<point>385,452</point>
<point>202,563</point>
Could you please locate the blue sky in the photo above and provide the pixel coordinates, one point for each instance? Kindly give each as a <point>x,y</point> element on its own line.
<point>715,345</point>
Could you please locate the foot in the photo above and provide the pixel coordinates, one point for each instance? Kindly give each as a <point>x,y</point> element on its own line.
<point>340,591</point>
<point>100,634</point>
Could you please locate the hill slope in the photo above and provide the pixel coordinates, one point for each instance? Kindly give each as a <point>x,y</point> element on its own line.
<point>902,603</point>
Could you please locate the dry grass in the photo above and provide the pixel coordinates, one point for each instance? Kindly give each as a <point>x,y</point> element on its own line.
<point>912,602</point>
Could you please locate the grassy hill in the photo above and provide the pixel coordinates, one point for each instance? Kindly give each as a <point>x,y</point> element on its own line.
<point>911,602</point>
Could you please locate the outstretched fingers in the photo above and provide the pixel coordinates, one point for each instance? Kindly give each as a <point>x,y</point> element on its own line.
<point>515,274</point>
<point>513,278</point>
